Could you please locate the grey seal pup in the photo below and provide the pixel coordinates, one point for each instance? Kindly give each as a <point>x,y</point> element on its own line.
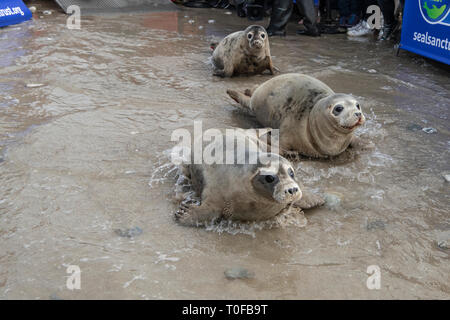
<point>243,192</point>
<point>243,52</point>
<point>312,119</point>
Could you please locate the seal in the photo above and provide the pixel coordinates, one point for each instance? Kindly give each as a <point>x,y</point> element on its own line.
<point>251,191</point>
<point>243,52</point>
<point>312,119</point>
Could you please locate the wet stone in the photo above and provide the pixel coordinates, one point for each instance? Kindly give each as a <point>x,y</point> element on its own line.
<point>238,273</point>
<point>443,245</point>
<point>54,296</point>
<point>429,130</point>
<point>414,127</point>
<point>389,121</point>
<point>377,224</point>
<point>128,233</point>
<point>446,176</point>
<point>34,85</point>
<point>332,201</point>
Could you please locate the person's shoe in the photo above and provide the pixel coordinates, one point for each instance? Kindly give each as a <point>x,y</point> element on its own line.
<point>312,32</point>
<point>353,20</point>
<point>364,29</point>
<point>356,26</point>
<point>387,31</point>
<point>271,32</point>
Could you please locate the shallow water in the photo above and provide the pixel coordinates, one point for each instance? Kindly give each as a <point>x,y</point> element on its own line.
<point>85,154</point>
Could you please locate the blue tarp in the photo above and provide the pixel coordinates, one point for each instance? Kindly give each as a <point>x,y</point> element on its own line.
<point>13,12</point>
<point>426,29</point>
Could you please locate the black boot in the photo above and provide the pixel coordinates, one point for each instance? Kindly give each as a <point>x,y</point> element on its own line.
<point>387,30</point>
<point>306,8</point>
<point>311,31</point>
<point>281,12</point>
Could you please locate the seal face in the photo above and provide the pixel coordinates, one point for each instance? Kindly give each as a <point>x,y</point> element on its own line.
<point>313,120</point>
<point>243,52</point>
<point>243,192</point>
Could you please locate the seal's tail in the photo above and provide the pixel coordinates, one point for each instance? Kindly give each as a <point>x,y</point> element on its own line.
<point>240,98</point>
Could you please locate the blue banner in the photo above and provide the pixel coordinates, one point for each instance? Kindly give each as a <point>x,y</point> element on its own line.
<point>426,28</point>
<point>13,12</point>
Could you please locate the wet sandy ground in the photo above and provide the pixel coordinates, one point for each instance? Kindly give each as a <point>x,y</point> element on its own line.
<point>83,155</point>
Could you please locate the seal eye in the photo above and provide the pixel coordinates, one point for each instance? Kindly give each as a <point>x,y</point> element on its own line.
<point>249,36</point>
<point>358,106</point>
<point>338,109</point>
<point>263,35</point>
<point>291,173</point>
<point>269,179</point>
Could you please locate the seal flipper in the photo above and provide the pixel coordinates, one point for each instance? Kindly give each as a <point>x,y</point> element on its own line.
<point>309,200</point>
<point>358,143</point>
<point>190,214</point>
<point>249,92</point>
<point>240,98</point>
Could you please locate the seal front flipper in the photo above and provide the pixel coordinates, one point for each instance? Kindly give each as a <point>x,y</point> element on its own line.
<point>358,143</point>
<point>292,212</point>
<point>219,73</point>
<point>309,200</point>
<point>227,71</point>
<point>240,98</point>
<point>249,92</point>
<point>271,67</point>
<point>190,214</point>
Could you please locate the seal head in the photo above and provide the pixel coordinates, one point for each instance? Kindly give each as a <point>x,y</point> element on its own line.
<point>276,182</point>
<point>256,37</point>
<point>332,122</point>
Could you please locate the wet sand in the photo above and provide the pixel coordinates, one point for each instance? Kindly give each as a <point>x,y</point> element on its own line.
<point>84,155</point>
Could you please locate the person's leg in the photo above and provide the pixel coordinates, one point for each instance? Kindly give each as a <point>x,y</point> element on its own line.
<point>307,9</point>
<point>355,6</point>
<point>365,5</point>
<point>355,9</point>
<point>281,12</point>
<point>344,8</point>
<point>388,9</point>
<point>344,11</point>
<point>363,28</point>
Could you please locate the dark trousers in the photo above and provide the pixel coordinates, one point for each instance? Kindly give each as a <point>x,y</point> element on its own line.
<point>348,7</point>
<point>282,10</point>
<point>308,11</point>
<point>388,9</point>
<point>365,5</point>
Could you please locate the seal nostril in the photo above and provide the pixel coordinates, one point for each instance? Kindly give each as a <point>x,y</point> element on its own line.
<point>292,190</point>
<point>358,114</point>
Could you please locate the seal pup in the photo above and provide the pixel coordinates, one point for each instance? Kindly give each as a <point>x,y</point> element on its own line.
<point>252,191</point>
<point>243,52</point>
<point>312,119</point>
